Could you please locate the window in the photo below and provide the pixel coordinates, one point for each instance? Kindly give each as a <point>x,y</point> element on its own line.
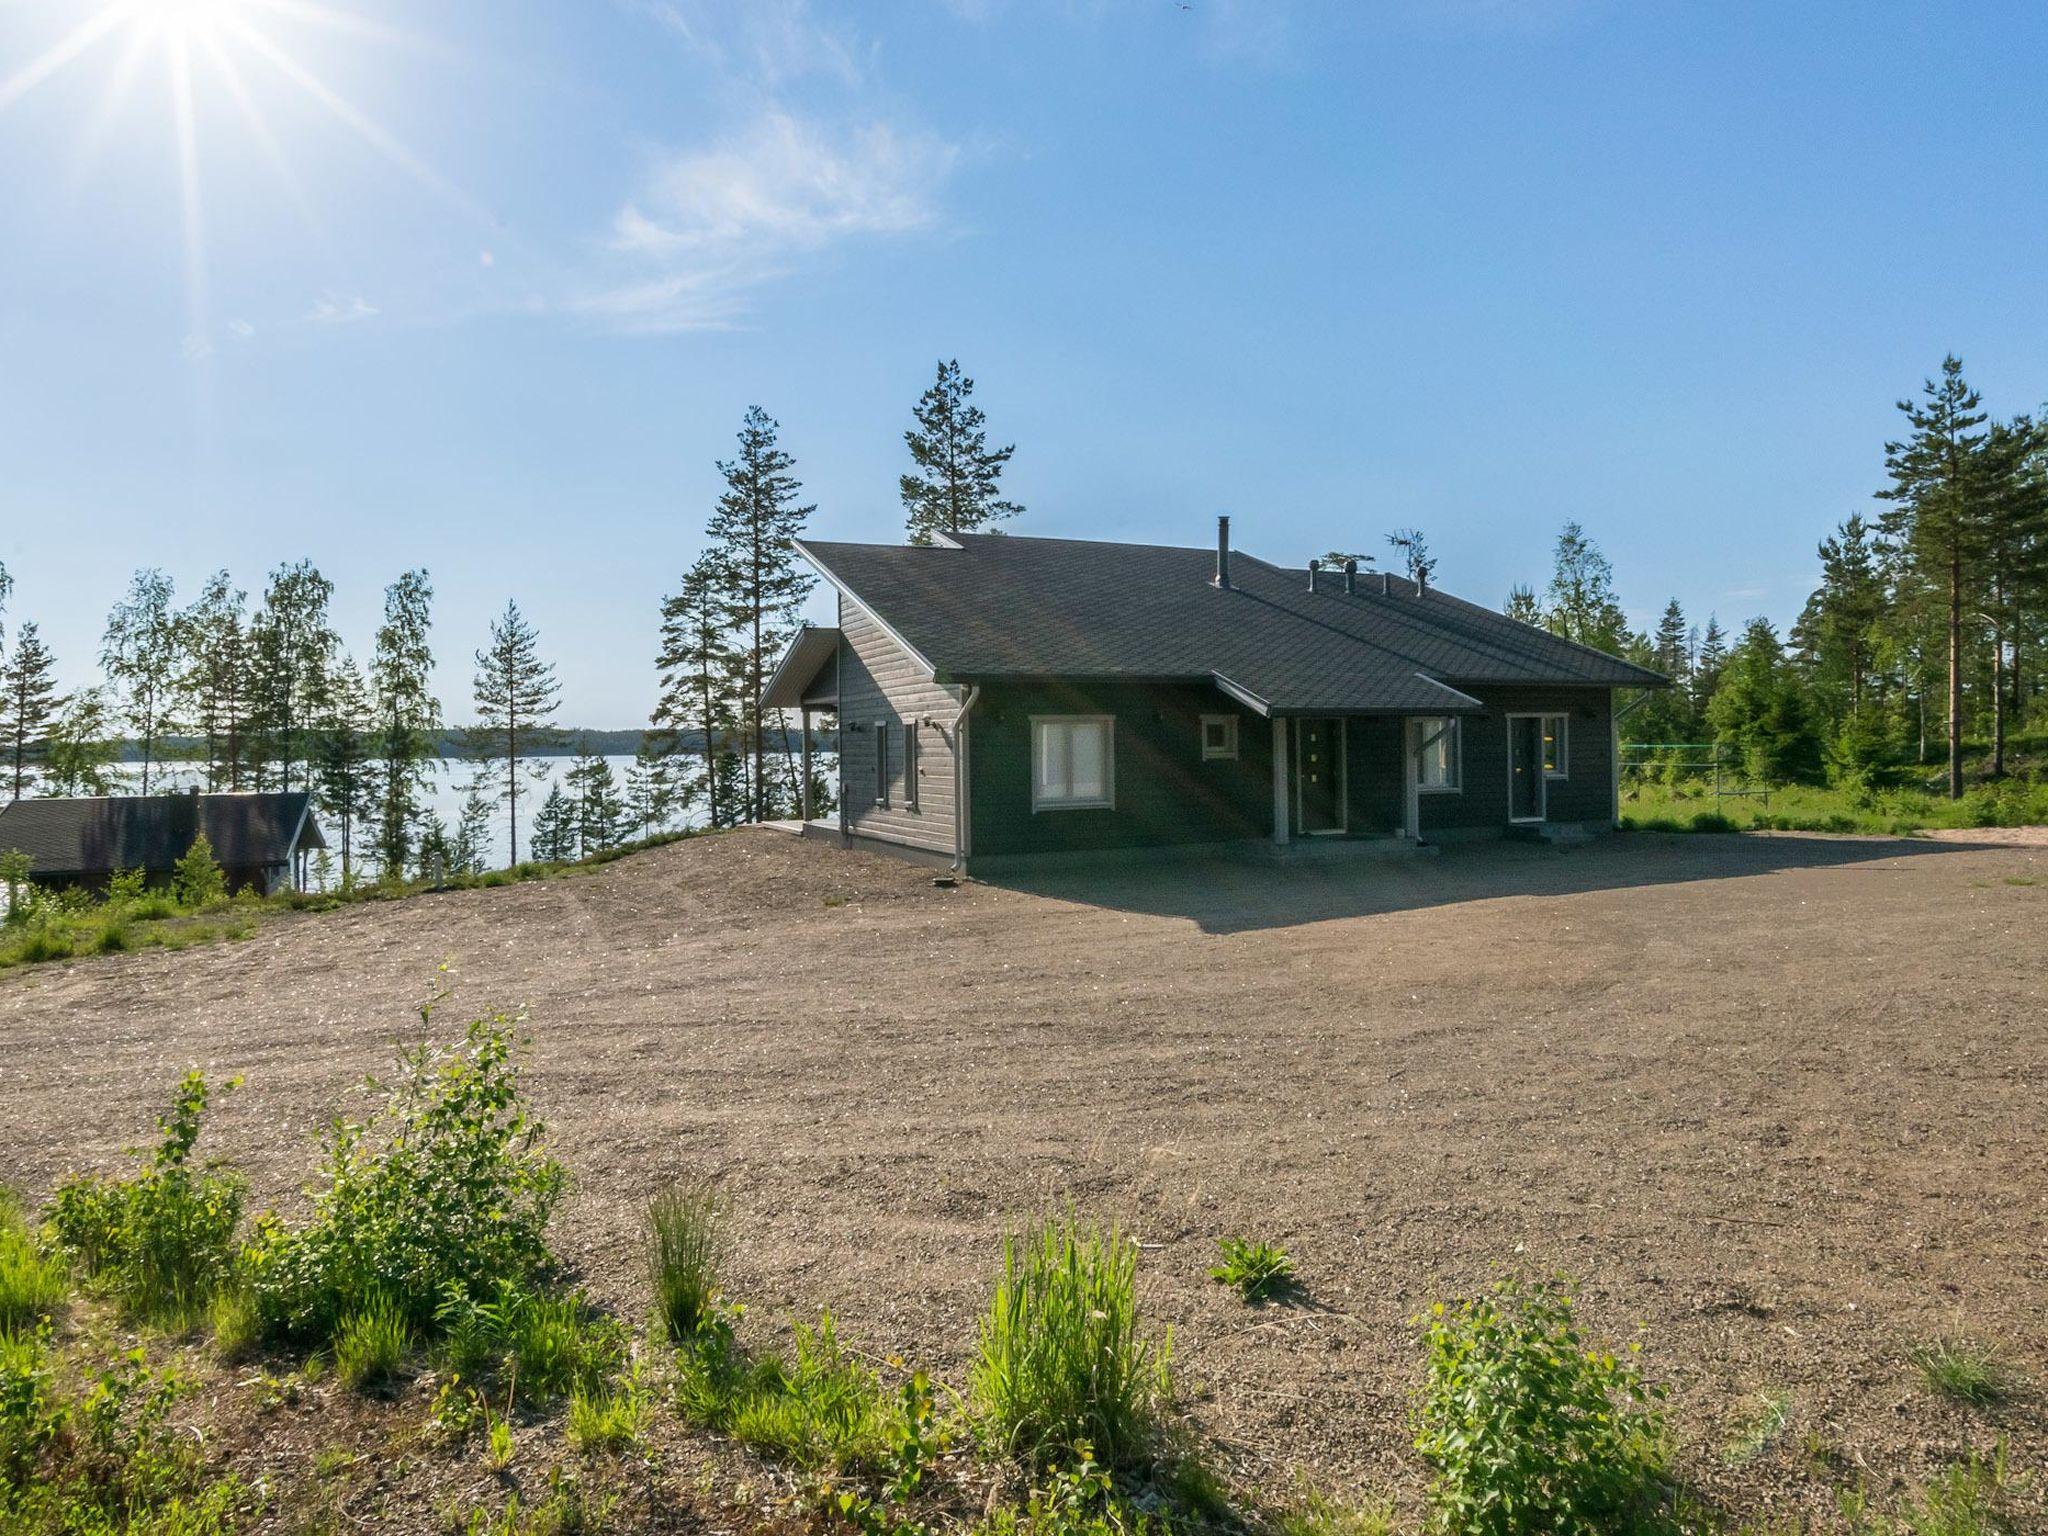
<point>1554,739</point>
<point>1219,737</point>
<point>881,762</point>
<point>910,765</point>
<point>1437,754</point>
<point>1073,762</point>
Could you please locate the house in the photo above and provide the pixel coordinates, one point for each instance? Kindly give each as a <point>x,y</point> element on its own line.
<point>1001,697</point>
<point>256,838</point>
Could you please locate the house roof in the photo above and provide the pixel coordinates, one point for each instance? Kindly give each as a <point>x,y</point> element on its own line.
<point>986,606</point>
<point>95,836</point>
<point>801,676</point>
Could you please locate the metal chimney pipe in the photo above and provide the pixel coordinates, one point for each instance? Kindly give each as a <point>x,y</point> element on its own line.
<point>1223,552</point>
<point>1350,578</point>
<point>1383,583</point>
<point>1314,569</point>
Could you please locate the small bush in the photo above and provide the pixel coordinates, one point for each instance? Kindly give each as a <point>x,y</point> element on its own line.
<point>1963,1372</point>
<point>607,1419</point>
<point>550,1345</point>
<point>1061,1363</point>
<point>197,879</point>
<point>445,1190</point>
<point>31,1286</point>
<point>163,1239</point>
<point>687,1244</point>
<point>371,1345</point>
<point>1526,1427</point>
<point>1254,1268</point>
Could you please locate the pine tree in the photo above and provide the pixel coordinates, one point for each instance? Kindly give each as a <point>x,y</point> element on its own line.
<point>599,812</point>
<point>648,799</point>
<point>956,487</point>
<point>140,653</point>
<point>83,751</point>
<point>1580,604</point>
<point>343,761</point>
<point>292,642</point>
<point>697,664</point>
<point>29,703</point>
<point>216,677</point>
<point>2015,532</point>
<point>554,829</point>
<point>1838,632</point>
<point>408,714</point>
<point>515,694</point>
<point>1937,516</point>
<point>1419,562</point>
<point>764,586</point>
<point>1522,606</point>
<point>437,851</point>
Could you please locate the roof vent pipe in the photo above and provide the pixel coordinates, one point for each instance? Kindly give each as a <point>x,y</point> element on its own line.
<point>1315,568</point>
<point>1421,583</point>
<point>1350,578</point>
<point>1383,583</point>
<point>1223,552</point>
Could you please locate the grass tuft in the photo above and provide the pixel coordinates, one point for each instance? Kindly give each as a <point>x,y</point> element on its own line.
<point>371,1345</point>
<point>31,1286</point>
<point>1062,1364</point>
<point>1963,1372</point>
<point>607,1419</point>
<point>687,1244</point>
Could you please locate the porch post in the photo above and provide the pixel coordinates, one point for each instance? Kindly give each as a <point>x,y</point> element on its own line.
<point>804,795</point>
<point>1411,784</point>
<point>1279,779</point>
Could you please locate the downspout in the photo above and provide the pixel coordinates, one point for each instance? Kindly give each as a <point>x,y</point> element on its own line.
<point>962,781</point>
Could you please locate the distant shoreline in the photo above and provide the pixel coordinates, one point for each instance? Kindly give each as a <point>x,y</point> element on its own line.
<point>567,741</point>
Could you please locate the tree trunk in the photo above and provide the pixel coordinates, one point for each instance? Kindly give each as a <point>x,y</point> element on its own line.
<point>1955,675</point>
<point>512,785</point>
<point>1998,702</point>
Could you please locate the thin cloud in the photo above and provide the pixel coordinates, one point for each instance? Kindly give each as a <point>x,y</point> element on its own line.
<point>711,225</point>
<point>335,309</point>
<point>772,41</point>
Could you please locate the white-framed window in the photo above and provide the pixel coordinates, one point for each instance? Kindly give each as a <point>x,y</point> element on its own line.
<point>1555,746</point>
<point>1073,762</point>
<point>881,762</point>
<point>1439,755</point>
<point>910,765</point>
<point>1219,737</point>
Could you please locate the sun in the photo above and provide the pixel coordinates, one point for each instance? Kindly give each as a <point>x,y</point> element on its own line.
<point>204,22</point>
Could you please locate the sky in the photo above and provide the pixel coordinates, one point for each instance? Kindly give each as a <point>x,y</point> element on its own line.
<point>487,287</point>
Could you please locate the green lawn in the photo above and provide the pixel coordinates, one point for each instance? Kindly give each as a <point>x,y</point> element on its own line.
<point>1693,807</point>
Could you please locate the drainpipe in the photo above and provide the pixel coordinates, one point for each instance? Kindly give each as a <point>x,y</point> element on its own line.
<point>962,782</point>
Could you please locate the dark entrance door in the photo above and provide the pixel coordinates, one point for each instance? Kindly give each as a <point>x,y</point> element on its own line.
<point>1319,774</point>
<point>1525,768</point>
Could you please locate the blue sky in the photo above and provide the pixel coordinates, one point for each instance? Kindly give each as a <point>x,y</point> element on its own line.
<point>487,286</point>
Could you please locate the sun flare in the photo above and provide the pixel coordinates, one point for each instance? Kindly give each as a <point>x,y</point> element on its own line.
<point>204,22</point>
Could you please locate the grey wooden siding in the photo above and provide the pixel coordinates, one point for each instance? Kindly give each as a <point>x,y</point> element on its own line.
<point>1585,794</point>
<point>1165,792</point>
<point>879,684</point>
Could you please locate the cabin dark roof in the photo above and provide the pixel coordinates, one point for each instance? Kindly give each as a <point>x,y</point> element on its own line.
<point>999,605</point>
<point>99,835</point>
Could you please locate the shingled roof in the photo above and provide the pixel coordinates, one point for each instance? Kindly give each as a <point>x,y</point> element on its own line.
<point>98,835</point>
<point>992,606</point>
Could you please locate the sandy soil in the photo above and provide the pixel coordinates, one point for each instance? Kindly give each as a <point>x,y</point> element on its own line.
<point>1777,1099</point>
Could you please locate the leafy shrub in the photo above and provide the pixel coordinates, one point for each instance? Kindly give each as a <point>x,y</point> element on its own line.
<point>819,1409</point>
<point>687,1243</point>
<point>1061,1363</point>
<point>31,1286</point>
<point>551,1345</point>
<point>125,887</point>
<point>163,1239</point>
<point>1254,1268</point>
<point>371,1345</point>
<point>1963,1372</point>
<point>1528,1429</point>
<point>445,1191</point>
<point>197,879</point>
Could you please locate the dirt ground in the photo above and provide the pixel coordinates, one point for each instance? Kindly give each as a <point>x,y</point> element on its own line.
<point>1779,1100</point>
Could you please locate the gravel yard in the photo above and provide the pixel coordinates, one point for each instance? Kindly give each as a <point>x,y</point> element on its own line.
<point>1779,1100</point>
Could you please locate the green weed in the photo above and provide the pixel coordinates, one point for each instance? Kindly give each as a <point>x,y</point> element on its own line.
<point>1256,1269</point>
<point>1062,1361</point>
<point>1774,1412</point>
<point>371,1345</point>
<point>818,1408</point>
<point>687,1243</point>
<point>1967,1499</point>
<point>607,1419</point>
<point>1962,1371</point>
<point>31,1286</point>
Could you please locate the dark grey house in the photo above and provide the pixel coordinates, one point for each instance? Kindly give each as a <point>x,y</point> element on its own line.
<point>256,838</point>
<point>1000,697</point>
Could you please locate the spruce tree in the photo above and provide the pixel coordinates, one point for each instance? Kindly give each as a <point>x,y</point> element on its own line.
<point>1711,657</point>
<point>1937,516</point>
<point>292,643</point>
<point>216,677</point>
<point>343,762</point>
<point>763,584</point>
<point>599,812</point>
<point>1837,633</point>
<point>515,696</point>
<point>554,828</point>
<point>957,484</point>
<point>140,653</point>
<point>1759,711</point>
<point>408,715</point>
<point>471,850</point>
<point>29,703</point>
<point>2015,533</point>
<point>1522,606</point>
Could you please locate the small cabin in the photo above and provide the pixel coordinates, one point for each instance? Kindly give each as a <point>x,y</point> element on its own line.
<point>258,839</point>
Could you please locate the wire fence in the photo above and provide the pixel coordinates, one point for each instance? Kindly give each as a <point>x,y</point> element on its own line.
<point>1692,766</point>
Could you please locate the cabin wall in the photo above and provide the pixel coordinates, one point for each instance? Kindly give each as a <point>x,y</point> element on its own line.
<point>881,689</point>
<point>1165,792</point>
<point>1585,794</point>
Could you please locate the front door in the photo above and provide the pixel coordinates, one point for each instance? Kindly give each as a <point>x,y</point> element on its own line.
<point>1525,767</point>
<point>1319,775</point>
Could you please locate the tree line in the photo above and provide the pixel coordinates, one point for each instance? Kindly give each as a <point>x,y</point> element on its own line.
<point>1929,626</point>
<point>264,695</point>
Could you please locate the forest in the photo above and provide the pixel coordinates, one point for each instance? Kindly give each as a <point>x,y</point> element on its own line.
<point>1918,666</point>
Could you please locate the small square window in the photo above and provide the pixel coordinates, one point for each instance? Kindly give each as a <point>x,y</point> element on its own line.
<point>1219,737</point>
